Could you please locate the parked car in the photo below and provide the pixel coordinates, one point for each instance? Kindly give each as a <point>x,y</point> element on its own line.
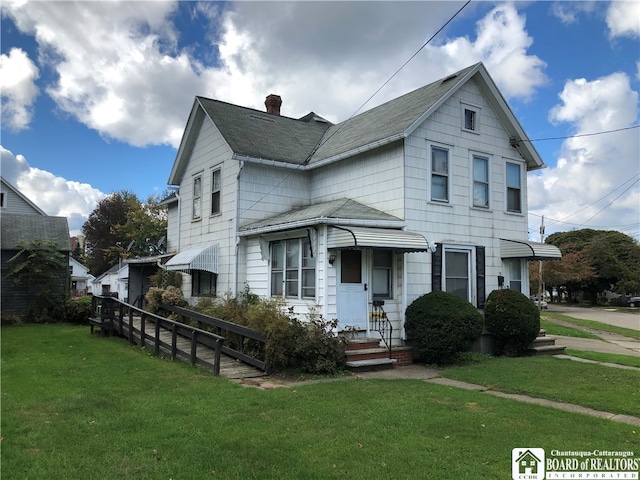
<point>544,304</point>
<point>633,301</point>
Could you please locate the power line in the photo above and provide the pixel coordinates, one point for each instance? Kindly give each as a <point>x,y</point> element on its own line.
<point>592,203</point>
<point>321,142</point>
<point>579,135</point>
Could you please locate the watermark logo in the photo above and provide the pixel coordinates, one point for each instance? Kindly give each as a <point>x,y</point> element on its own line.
<point>527,463</point>
<point>533,464</point>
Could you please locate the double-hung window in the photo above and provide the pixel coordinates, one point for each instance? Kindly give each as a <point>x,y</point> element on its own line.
<point>293,269</point>
<point>382,284</point>
<point>457,272</point>
<point>197,197</point>
<point>480,181</point>
<point>215,191</point>
<point>514,193</point>
<point>514,274</point>
<point>439,174</point>
<point>470,118</point>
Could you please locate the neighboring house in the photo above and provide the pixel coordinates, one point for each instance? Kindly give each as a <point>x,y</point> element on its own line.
<point>113,282</point>
<point>81,279</point>
<point>425,192</point>
<point>21,220</point>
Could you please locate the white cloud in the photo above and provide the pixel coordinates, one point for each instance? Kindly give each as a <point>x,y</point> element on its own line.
<point>568,12</point>
<point>129,80</point>
<point>593,170</point>
<point>17,84</point>
<point>623,19</point>
<point>55,195</point>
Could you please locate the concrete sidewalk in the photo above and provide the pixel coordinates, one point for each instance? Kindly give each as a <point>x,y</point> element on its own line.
<point>608,343</point>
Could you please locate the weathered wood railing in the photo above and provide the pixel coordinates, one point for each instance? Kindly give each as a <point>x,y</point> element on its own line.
<point>381,324</point>
<point>226,329</point>
<point>113,315</point>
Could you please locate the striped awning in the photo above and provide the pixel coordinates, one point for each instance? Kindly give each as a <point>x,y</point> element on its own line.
<point>195,258</point>
<point>364,237</point>
<point>528,250</point>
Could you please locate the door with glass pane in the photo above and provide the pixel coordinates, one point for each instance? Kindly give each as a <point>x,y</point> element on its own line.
<point>352,291</point>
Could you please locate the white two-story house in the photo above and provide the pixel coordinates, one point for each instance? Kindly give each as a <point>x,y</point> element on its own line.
<point>425,192</point>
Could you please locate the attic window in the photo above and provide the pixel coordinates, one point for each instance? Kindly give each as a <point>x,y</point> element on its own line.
<point>470,118</point>
<point>450,77</point>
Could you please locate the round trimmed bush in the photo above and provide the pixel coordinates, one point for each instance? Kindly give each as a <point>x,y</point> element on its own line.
<point>513,319</point>
<point>442,326</point>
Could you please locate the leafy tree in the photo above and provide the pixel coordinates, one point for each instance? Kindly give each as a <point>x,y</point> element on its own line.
<point>594,261</point>
<point>42,271</point>
<point>121,226</point>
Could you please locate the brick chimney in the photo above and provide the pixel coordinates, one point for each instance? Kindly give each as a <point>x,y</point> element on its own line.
<point>273,103</point>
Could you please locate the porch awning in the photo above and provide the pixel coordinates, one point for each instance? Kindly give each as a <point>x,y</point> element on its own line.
<point>195,258</point>
<point>528,250</point>
<point>363,237</point>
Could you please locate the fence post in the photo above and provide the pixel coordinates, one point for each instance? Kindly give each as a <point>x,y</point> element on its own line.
<point>131,326</point>
<point>156,348</point>
<point>216,362</point>
<point>174,341</point>
<point>142,333</point>
<point>194,346</point>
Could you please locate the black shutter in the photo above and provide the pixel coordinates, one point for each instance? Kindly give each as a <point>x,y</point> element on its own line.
<point>480,280</point>
<point>436,269</point>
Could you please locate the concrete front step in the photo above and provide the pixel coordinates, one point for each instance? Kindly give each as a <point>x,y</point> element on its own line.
<point>543,341</point>
<point>371,365</point>
<point>547,350</point>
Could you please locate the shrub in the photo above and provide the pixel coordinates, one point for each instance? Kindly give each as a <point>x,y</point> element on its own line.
<point>78,310</point>
<point>316,349</point>
<point>157,296</point>
<point>513,319</point>
<point>442,326</point>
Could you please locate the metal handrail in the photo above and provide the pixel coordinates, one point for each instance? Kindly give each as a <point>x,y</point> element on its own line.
<point>380,323</point>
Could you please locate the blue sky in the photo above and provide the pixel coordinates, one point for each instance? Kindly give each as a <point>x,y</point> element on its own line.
<point>95,95</point>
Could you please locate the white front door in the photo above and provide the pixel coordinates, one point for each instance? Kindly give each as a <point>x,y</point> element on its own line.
<point>352,292</point>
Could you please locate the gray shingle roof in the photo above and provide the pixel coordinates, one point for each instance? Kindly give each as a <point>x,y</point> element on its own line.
<point>343,208</point>
<point>390,119</point>
<point>263,135</point>
<point>19,227</point>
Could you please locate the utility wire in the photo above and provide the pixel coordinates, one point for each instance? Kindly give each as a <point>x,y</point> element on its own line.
<point>320,143</point>
<point>579,135</point>
<point>592,203</point>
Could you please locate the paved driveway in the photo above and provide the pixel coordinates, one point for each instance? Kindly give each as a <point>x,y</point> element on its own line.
<point>627,318</point>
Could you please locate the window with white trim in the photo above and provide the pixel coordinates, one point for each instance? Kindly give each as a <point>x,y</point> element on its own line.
<point>215,191</point>
<point>457,272</point>
<point>197,197</point>
<point>382,281</point>
<point>480,181</point>
<point>293,269</point>
<point>439,174</point>
<point>470,117</point>
<point>203,283</point>
<point>514,190</point>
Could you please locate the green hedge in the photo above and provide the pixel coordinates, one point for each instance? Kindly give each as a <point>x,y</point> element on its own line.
<point>513,319</point>
<point>442,326</point>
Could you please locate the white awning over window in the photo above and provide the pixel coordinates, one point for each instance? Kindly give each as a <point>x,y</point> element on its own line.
<point>362,237</point>
<point>528,250</point>
<point>195,258</point>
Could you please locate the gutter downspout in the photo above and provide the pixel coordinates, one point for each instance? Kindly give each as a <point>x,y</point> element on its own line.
<point>236,237</point>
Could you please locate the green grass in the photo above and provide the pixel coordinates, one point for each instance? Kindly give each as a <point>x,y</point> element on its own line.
<point>595,386</point>
<point>76,406</point>
<point>562,330</point>
<point>606,357</point>
<point>593,325</point>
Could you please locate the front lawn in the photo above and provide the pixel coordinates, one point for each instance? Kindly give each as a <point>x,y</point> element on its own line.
<point>78,406</point>
<point>592,325</point>
<point>602,388</point>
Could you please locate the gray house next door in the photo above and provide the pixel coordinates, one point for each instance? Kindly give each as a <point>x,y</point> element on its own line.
<point>352,292</point>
